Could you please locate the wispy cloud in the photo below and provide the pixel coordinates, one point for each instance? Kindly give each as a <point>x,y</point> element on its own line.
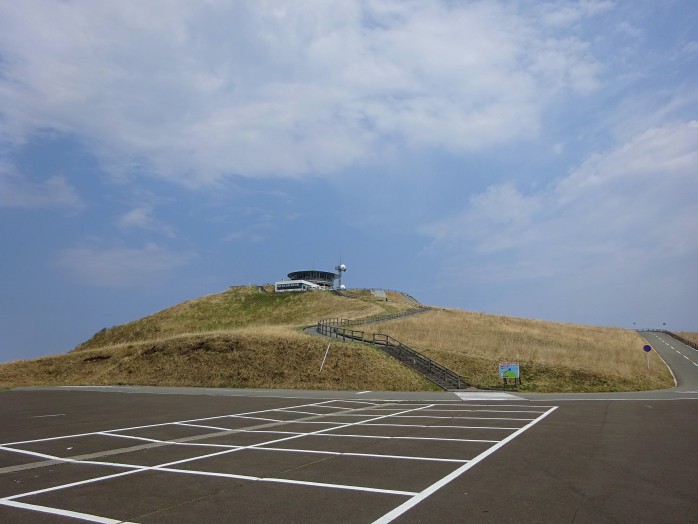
<point>627,210</point>
<point>259,224</point>
<point>118,267</point>
<point>142,217</point>
<point>55,192</point>
<point>563,13</point>
<point>254,233</point>
<point>283,89</point>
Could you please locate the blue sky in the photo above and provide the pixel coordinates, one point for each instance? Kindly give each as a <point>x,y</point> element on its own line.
<point>536,159</point>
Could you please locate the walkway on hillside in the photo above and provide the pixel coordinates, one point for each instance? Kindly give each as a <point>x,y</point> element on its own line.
<point>436,373</point>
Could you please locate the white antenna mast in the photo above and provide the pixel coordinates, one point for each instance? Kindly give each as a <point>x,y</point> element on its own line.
<point>341,268</point>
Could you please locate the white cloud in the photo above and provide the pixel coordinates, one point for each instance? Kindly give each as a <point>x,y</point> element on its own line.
<point>563,13</point>
<point>260,224</point>
<point>141,217</point>
<point>691,47</point>
<point>254,233</point>
<point>117,267</point>
<point>627,211</point>
<point>629,30</point>
<point>138,217</point>
<point>53,193</point>
<point>614,242</point>
<point>195,91</point>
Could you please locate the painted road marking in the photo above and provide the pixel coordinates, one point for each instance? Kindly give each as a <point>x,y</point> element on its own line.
<point>392,515</point>
<point>47,416</point>
<point>162,424</point>
<point>64,513</point>
<point>428,426</point>
<point>487,396</point>
<point>353,454</point>
<point>380,414</point>
<point>215,428</point>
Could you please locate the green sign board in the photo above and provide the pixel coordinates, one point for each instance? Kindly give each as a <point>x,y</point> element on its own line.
<point>509,370</point>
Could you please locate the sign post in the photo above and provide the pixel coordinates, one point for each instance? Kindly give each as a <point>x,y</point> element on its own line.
<point>647,348</point>
<point>325,357</point>
<point>509,370</point>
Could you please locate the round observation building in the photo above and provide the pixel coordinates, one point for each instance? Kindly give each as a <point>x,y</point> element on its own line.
<point>322,279</point>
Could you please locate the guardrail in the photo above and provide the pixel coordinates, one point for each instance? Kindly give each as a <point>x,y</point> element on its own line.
<point>403,352</point>
<point>380,318</point>
<point>341,333</point>
<point>325,323</point>
<point>407,295</point>
<point>428,368</point>
<point>674,335</point>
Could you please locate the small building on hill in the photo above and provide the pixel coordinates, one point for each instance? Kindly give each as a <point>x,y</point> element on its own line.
<point>308,280</point>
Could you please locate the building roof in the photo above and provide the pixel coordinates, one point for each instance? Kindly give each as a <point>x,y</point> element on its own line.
<point>315,276</point>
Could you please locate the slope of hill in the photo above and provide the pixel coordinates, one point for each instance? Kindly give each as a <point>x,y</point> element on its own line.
<point>690,336</point>
<point>243,306</point>
<point>246,336</point>
<point>553,356</point>
<point>250,337</point>
<point>255,357</point>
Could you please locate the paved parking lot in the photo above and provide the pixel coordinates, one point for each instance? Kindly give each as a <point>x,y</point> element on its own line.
<point>243,458</point>
<point>140,454</point>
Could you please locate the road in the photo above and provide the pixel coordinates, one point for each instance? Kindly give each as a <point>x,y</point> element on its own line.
<point>206,455</point>
<point>681,359</point>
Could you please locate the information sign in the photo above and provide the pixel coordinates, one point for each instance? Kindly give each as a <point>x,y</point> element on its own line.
<point>508,370</point>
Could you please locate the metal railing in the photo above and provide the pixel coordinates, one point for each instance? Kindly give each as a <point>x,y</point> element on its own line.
<point>347,295</point>
<point>674,335</point>
<point>407,354</point>
<point>428,368</point>
<point>406,295</point>
<point>380,318</point>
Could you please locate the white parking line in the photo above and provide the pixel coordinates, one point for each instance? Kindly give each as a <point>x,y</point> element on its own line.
<point>264,419</point>
<point>392,515</point>
<point>62,512</point>
<point>391,410</point>
<point>370,455</point>
<point>487,396</point>
<point>430,426</point>
<point>388,437</point>
<point>215,428</point>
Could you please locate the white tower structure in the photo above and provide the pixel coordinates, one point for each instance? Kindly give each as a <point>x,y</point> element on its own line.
<point>341,268</point>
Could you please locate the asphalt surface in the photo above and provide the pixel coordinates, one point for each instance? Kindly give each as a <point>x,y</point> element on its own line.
<point>147,455</point>
<point>681,359</point>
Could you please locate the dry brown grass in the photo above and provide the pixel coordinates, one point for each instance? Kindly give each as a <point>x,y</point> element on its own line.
<point>236,308</point>
<point>553,356</point>
<point>693,337</point>
<point>257,357</point>
<point>247,338</point>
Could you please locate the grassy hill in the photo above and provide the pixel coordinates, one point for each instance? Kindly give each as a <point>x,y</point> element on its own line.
<point>245,306</point>
<point>693,337</point>
<point>553,356</point>
<point>245,337</point>
<point>251,337</point>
